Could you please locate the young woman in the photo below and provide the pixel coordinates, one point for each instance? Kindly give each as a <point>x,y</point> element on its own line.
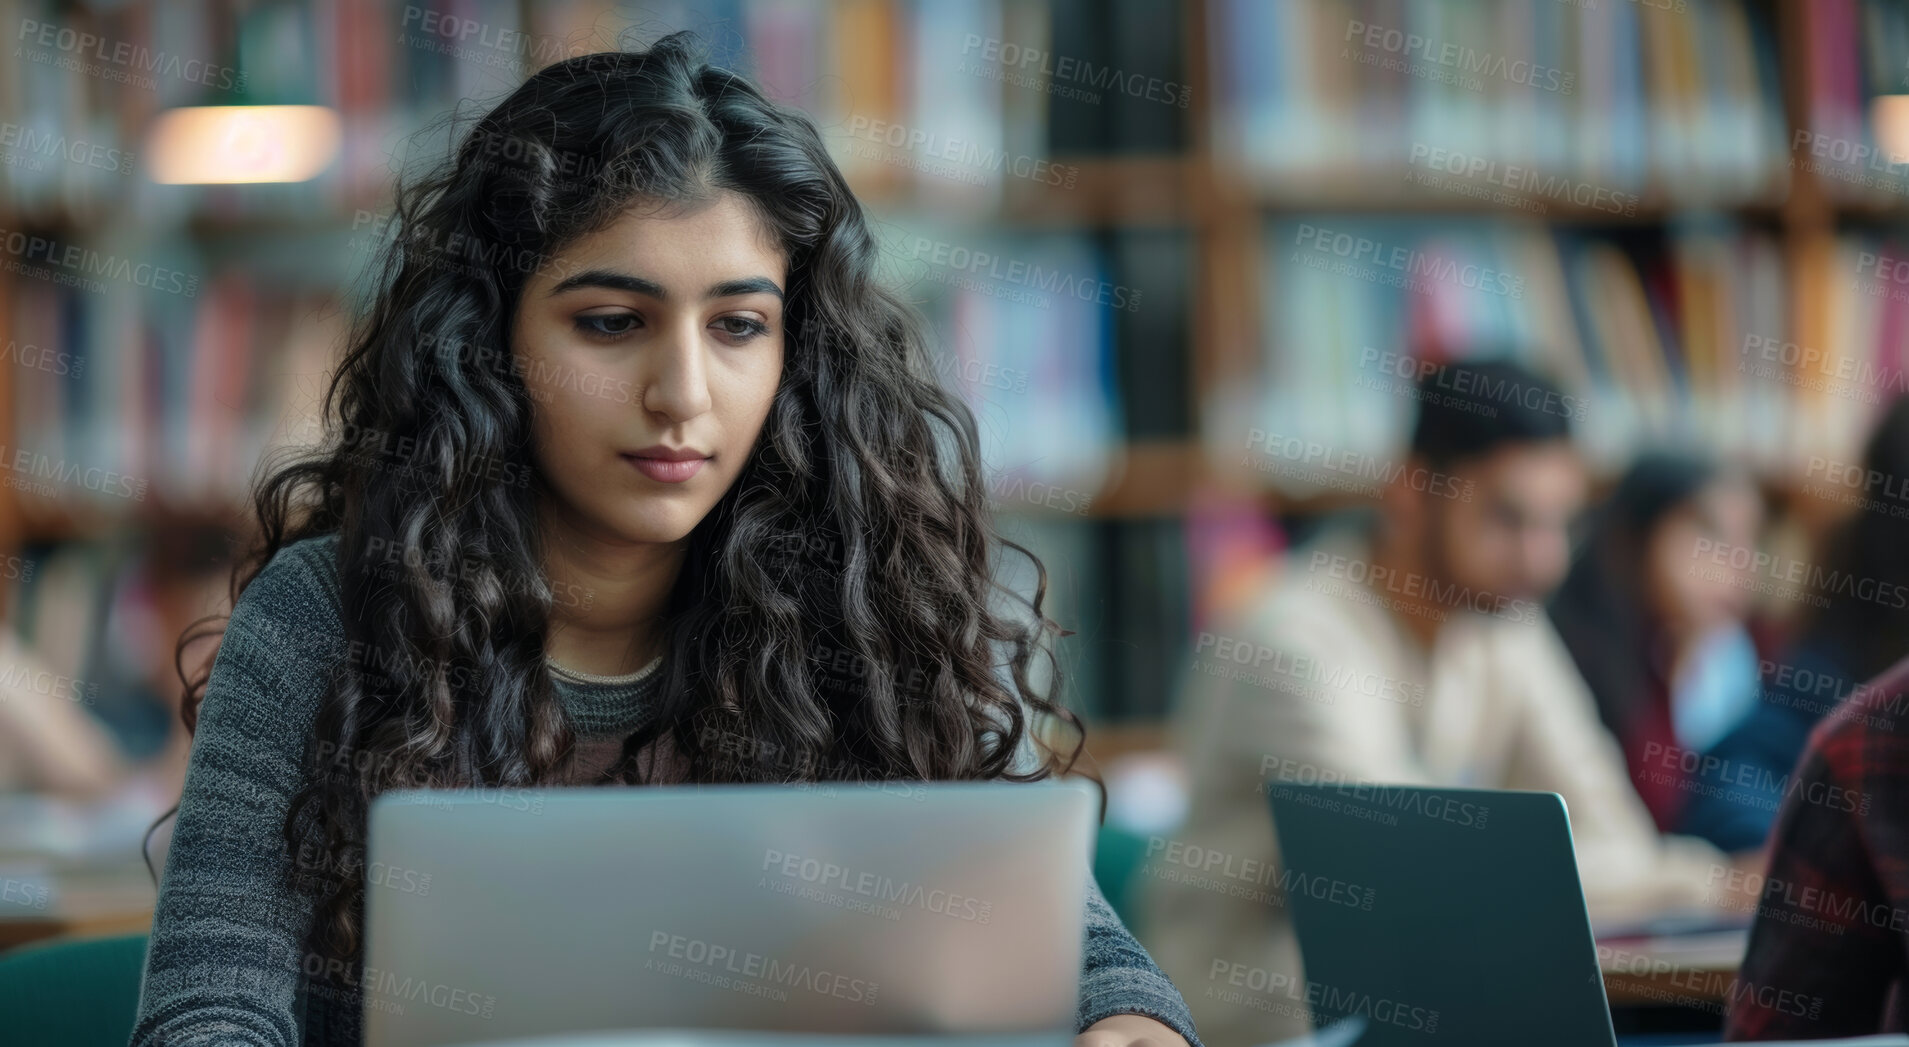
<point>1663,645</point>
<point>1854,634</point>
<point>634,475</point>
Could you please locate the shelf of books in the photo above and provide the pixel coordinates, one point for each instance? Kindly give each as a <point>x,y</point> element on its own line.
<point>1160,245</point>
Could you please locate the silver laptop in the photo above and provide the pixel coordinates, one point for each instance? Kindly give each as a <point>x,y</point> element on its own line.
<point>878,909</point>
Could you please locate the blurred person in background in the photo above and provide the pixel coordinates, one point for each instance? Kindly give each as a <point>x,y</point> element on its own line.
<point>1843,642</point>
<point>114,740</point>
<point>1662,644</point>
<point>1829,950</point>
<point>49,742</point>
<point>1417,654</point>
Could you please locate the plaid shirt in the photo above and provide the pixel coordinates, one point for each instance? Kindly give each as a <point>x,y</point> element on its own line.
<point>1830,945</point>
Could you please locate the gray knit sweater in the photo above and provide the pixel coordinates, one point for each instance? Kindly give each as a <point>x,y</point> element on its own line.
<point>227,962</point>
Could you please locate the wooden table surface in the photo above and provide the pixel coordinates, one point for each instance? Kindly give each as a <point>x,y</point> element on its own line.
<point>1690,970</point>
<point>1686,970</point>
<point>85,903</point>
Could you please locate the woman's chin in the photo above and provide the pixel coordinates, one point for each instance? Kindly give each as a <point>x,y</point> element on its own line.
<point>657,527</point>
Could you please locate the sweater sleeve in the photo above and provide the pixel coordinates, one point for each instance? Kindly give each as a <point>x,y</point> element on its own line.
<point>223,961</point>
<point>1120,978</point>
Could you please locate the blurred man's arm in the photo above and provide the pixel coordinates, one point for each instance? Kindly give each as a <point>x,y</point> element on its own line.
<point>48,741</point>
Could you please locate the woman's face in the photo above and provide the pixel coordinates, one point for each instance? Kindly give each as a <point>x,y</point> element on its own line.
<point>1693,594</point>
<point>658,337</point>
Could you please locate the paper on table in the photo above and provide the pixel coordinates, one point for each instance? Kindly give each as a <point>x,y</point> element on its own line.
<point>27,888</point>
<point>1342,1033</point>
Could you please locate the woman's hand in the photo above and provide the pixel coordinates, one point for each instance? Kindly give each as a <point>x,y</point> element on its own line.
<point>1129,1030</point>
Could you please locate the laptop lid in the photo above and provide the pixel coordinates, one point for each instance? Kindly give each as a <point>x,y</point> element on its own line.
<point>1433,912</point>
<point>891,908</point>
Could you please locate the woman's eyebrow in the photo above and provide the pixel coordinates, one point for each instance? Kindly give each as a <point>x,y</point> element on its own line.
<point>616,281</point>
<point>611,279</point>
<point>750,285</point>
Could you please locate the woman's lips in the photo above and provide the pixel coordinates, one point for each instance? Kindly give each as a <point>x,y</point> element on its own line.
<point>665,471</point>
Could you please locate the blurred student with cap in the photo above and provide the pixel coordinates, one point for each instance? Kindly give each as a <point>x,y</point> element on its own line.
<point>1659,631</point>
<point>1417,654</point>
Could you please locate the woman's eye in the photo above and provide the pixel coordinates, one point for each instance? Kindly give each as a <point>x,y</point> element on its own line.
<point>607,325</point>
<point>741,328</point>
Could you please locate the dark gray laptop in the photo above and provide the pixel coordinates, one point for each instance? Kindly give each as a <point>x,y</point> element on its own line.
<point>1441,915</point>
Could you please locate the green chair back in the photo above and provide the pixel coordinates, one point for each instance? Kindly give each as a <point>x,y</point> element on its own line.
<point>71,993</point>
<point>1118,858</point>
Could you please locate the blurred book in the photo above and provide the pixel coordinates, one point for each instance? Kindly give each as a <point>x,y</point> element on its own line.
<point>1678,105</point>
<point>1672,336</point>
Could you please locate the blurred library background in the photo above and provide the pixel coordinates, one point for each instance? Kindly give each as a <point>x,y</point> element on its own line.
<point>1150,286</point>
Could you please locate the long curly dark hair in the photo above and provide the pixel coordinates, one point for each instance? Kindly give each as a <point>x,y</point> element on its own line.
<point>859,524</point>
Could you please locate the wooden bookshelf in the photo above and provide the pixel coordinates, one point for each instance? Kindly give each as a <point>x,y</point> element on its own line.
<point>1220,210</point>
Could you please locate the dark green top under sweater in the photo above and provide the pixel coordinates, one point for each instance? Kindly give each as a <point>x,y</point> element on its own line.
<point>224,964</point>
